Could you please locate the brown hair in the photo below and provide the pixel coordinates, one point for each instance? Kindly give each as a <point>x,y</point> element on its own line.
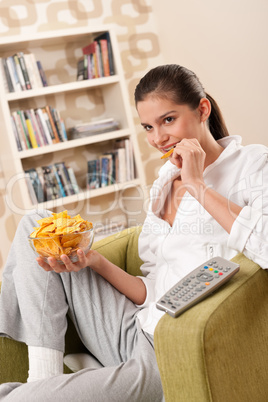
<point>183,87</point>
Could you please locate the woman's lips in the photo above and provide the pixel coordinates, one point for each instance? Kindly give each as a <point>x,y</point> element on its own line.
<point>171,146</point>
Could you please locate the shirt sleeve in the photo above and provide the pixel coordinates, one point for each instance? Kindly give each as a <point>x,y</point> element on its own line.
<point>249,233</point>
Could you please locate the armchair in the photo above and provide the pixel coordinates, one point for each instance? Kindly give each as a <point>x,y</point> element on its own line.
<point>216,351</point>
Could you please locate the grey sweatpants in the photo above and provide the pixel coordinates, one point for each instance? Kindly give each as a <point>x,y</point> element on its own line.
<point>33,308</point>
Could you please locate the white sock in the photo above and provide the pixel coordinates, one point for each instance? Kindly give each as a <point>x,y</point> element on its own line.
<point>44,363</point>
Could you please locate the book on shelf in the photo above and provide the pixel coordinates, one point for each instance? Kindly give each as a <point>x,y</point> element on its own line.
<point>115,166</point>
<point>65,177</point>
<point>16,133</point>
<point>97,59</point>
<point>38,127</point>
<point>94,128</point>
<point>19,72</point>
<point>105,37</point>
<point>37,134</point>
<point>33,139</point>
<point>35,187</point>
<point>42,73</point>
<point>13,74</point>
<point>22,72</point>
<point>21,123</point>
<point>93,174</point>
<point>102,171</point>
<point>106,166</point>
<point>8,86</point>
<point>80,70</point>
<point>40,115</point>
<point>51,182</point>
<point>58,124</point>
<point>31,65</point>
<point>126,145</point>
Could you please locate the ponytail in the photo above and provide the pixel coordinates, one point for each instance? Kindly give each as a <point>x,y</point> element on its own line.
<point>216,122</point>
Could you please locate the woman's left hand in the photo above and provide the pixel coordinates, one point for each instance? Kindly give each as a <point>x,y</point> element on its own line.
<point>84,260</point>
<point>189,156</point>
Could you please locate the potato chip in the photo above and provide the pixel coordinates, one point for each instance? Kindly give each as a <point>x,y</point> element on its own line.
<point>167,154</point>
<point>61,234</point>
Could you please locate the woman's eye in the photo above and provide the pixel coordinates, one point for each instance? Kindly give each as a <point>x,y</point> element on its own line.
<point>147,128</point>
<point>169,119</point>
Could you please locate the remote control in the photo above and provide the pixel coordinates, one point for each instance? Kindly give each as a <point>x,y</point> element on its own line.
<point>197,285</point>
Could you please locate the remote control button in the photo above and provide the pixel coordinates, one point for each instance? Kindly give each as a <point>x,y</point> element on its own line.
<point>205,277</point>
<point>216,271</point>
<point>220,273</point>
<point>207,283</point>
<point>205,267</point>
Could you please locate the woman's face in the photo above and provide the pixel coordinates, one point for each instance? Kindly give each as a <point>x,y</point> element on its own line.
<point>167,123</point>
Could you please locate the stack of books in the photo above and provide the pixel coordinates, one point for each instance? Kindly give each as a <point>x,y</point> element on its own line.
<point>94,128</point>
<point>51,182</point>
<point>35,128</point>
<point>116,166</point>
<point>97,60</point>
<point>22,72</point>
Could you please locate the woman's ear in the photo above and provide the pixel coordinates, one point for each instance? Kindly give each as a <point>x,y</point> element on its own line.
<point>204,109</point>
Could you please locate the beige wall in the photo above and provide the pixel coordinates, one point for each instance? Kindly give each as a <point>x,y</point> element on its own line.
<point>225,44</point>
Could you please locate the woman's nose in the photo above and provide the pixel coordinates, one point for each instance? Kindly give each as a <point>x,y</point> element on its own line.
<point>160,136</point>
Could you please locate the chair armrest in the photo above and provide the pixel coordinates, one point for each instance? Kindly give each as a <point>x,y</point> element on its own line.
<point>122,249</point>
<point>217,350</point>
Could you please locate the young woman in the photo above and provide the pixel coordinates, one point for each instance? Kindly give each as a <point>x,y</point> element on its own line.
<point>210,199</point>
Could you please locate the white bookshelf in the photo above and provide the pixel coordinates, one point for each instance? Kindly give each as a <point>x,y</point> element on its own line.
<point>78,102</point>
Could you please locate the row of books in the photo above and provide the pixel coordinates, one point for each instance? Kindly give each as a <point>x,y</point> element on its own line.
<point>39,127</point>
<point>97,60</point>
<point>57,180</point>
<point>51,182</point>
<point>22,72</point>
<point>116,166</point>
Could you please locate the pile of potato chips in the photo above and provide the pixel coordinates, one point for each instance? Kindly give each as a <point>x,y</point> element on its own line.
<point>60,234</point>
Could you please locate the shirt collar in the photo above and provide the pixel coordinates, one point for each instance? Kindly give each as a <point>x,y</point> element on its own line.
<point>230,145</point>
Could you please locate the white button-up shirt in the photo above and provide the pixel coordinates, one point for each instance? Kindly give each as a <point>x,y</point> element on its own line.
<point>169,253</point>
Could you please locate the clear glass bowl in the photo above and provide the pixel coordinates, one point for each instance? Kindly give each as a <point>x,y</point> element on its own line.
<point>56,245</point>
